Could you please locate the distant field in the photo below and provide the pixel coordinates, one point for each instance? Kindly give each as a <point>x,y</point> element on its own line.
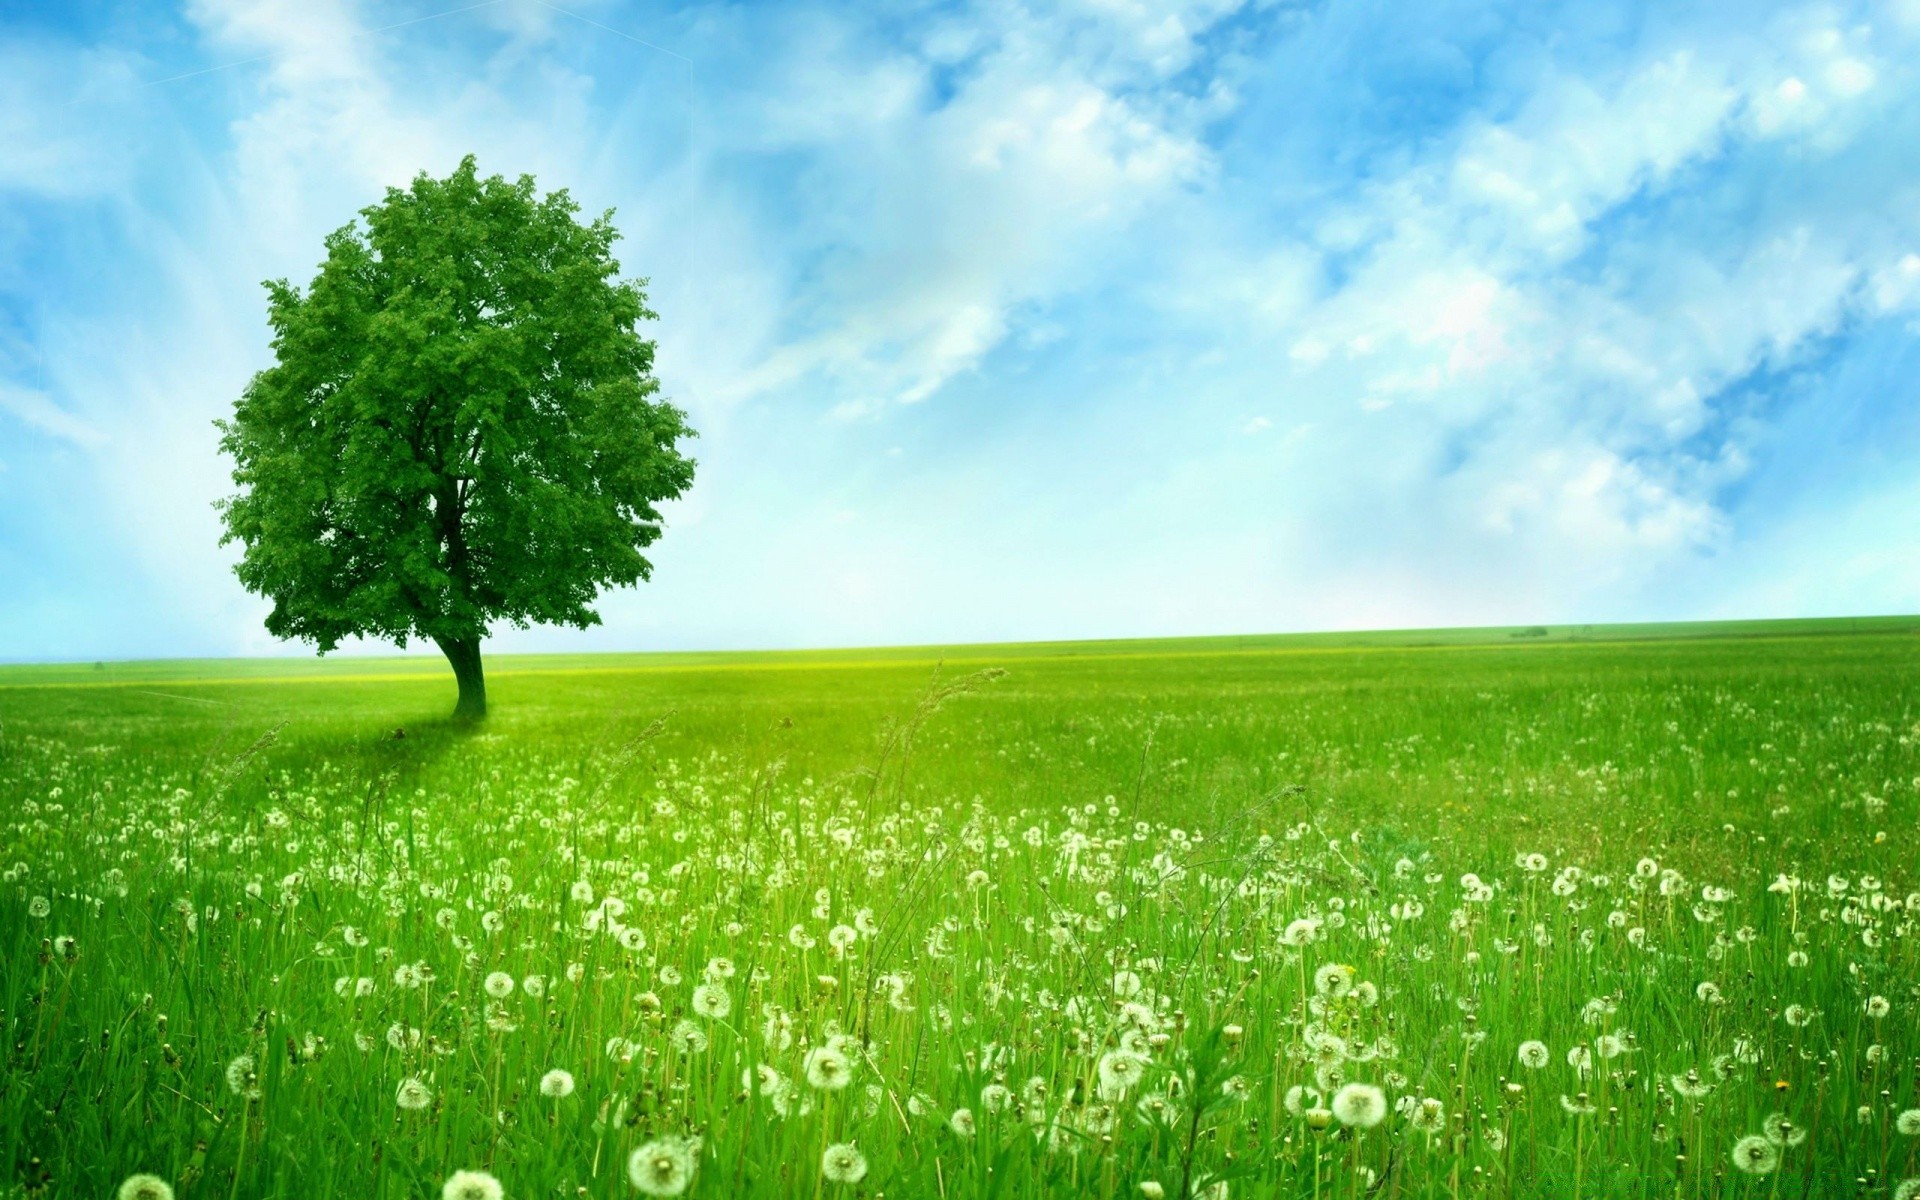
<point>1082,927</point>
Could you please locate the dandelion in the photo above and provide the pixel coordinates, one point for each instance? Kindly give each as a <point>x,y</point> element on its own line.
<point>1877,1007</point>
<point>961,1122</point>
<point>145,1187</point>
<point>1907,1189</point>
<point>1755,1155</point>
<point>1152,1189</point>
<point>413,1094</point>
<point>1428,1116</point>
<point>1782,1132</point>
<point>38,907</point>
<point>472,1185</point>
<point>843,1163</point>
<point>1334,980</point>
<point>556,1083</point>
<point>1360,1105</point>
<point>1534,1055</point>
<point>664,1167</point>
<point>688,1038</point>
<point>242,1079</point>
<point>1908,1122</point>
<point>711,1001</point>
<point>827,1068</point>
<point>499,985</point>
<point>995,1097</point>
<point>1119,1071</point>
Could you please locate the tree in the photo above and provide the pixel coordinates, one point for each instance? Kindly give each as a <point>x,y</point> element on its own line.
<point>461,426</point>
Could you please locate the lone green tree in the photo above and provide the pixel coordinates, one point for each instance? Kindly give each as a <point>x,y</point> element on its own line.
<point>461,426</point>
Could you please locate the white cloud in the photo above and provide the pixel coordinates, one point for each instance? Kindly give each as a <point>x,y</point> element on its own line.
<point>37,411</point>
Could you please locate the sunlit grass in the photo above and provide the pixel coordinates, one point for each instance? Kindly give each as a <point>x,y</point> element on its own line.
<point>1125,921</point>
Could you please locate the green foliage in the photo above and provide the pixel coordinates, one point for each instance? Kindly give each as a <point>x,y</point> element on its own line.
<point>461,425</point>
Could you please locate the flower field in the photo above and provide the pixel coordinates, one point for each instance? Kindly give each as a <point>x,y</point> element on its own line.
<point>1622,915</point>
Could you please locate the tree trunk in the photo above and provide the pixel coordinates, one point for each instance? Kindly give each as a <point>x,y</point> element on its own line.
<point>464,655</point>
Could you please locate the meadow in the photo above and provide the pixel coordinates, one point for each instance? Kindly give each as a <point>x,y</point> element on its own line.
<point>1613,912</point>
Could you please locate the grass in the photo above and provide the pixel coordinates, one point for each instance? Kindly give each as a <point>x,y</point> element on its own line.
<point>1122,920</point>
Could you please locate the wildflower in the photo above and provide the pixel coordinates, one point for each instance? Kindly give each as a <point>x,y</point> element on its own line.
<point>1152,1190</point>
<point>1534,1055</point>
<point>995,1097</point>
<point>499,985</point>
<point>1334,980</point>
<point>38,907</point>
<point>1755,1155</point>
<point>711,1001</point>
<point>1119,1071</point>
<point>145,1187</point>
<point>1908,1122</point>
<point>556,1083</point>
<point>664,1167</point>
<point>961,1122</point>
<point>472,1185</point>
<point>688,1038</point>
<point>1782,1132</point>
<point>413,1094</point>
<point>1877,1007</point>
<point>1428,1116</point>
<point>1361,1105</point>
<point>827,1068</point>
<point>1300,1098</point>
<point>843,1163</point>
<point>242,1079</point>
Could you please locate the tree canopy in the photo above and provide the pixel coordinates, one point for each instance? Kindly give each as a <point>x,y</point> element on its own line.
<point>461,426</point>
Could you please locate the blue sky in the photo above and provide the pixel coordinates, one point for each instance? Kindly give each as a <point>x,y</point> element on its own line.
<point>1089,319</point>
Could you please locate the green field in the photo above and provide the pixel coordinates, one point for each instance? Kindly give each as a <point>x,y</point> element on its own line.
<point>1120,918</point>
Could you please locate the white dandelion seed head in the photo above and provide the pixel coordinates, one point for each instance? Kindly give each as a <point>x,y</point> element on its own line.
<point>827,1068</point>
<point>472,1185</point>
<point>242,1078</point>
<point>664,1167</point>
<point>499,985</point>
<point>556,1083</point>
<point>413,1094</point>
<point>1755,1155</point>
<point>711,1001</point>
<point>843,1163</point>
<point>144,1187</point>
<point>1360,1105</point>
